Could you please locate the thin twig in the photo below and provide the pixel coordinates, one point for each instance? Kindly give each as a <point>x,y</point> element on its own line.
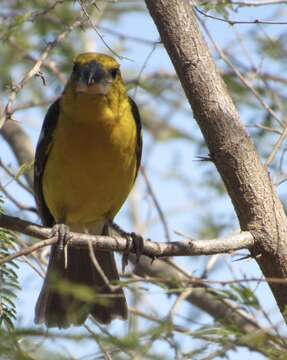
<point>246,3</point>
<point>126,36</point>
<point>15,177</point>
<point>14,201</point>
<point>266,128</point>
<point>239,22</point>
<point>99,269</point>
<point>98,32</point>
<point>29,249</point>
<point>240,76</point>
<point>157,205</point>
<point>35,70</point>
<point>276,148</point>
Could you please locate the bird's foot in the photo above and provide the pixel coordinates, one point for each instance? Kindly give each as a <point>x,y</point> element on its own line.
<point>136,245</point>
<point>62,232</point>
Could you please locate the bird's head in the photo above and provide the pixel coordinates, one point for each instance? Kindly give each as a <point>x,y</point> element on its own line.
<point>95,74</point>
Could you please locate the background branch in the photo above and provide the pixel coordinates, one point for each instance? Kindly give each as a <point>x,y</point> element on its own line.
<point>21,146</point>
<point>208,301</point>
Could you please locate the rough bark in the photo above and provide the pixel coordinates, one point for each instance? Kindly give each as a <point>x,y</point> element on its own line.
<point>247,181</point>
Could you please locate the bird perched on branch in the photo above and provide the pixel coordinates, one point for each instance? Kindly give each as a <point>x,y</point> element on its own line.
<point>86,163</point>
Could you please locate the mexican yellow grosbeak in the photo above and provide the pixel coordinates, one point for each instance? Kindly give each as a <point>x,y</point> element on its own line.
<point>86,163</point>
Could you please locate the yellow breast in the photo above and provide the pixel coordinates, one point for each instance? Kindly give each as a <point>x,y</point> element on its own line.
<point>92,162</point>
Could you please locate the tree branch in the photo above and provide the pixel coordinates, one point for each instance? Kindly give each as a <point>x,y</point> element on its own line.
<point>21,145</point>
<point>208,301</point>
<point>121,244</point>
<point>35,70</point>
<point>201,296</point>
<point>248,183</point>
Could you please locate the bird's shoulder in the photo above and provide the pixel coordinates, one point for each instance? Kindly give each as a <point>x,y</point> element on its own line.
<point>42,151</point>
<point>137,119</point>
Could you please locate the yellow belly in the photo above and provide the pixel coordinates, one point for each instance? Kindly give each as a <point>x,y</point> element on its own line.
<point>90,169</point>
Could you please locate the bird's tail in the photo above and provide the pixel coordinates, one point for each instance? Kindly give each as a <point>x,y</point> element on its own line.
<point>76,289</point>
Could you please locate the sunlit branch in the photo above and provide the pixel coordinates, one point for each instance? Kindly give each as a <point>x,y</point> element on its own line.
<point>150,248</point>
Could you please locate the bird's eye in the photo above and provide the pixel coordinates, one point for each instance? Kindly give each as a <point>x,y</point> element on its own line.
<point>75,68</point>
<point>114,72</point>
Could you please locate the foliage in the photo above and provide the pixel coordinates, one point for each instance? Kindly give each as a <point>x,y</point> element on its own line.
<point>8,281</point>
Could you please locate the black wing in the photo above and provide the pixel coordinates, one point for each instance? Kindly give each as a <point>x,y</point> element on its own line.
<point>136,115</point>
<point>42,150</point>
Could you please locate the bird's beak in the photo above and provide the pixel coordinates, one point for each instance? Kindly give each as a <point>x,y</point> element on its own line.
<point>100,88</point>
<point>93,79</point>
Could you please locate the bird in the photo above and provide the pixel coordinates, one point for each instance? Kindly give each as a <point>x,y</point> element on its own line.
<point>86,163</point>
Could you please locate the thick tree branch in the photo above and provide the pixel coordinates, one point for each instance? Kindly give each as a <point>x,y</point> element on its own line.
<point>247,181</point>
<point>121,244</point>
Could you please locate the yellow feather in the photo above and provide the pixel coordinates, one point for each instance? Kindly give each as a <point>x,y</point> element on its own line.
<point>92,162</point>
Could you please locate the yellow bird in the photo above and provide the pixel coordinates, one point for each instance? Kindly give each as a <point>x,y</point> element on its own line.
<point>86,163</point>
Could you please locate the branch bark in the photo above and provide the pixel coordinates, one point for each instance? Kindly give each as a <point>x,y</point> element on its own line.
<point>247,181</point>
<point>124,244</point>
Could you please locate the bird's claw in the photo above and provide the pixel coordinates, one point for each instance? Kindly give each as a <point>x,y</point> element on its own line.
<point>135,243</point>
<point>138,245</point>
<point>125,257</point>
<point>62,232</point>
